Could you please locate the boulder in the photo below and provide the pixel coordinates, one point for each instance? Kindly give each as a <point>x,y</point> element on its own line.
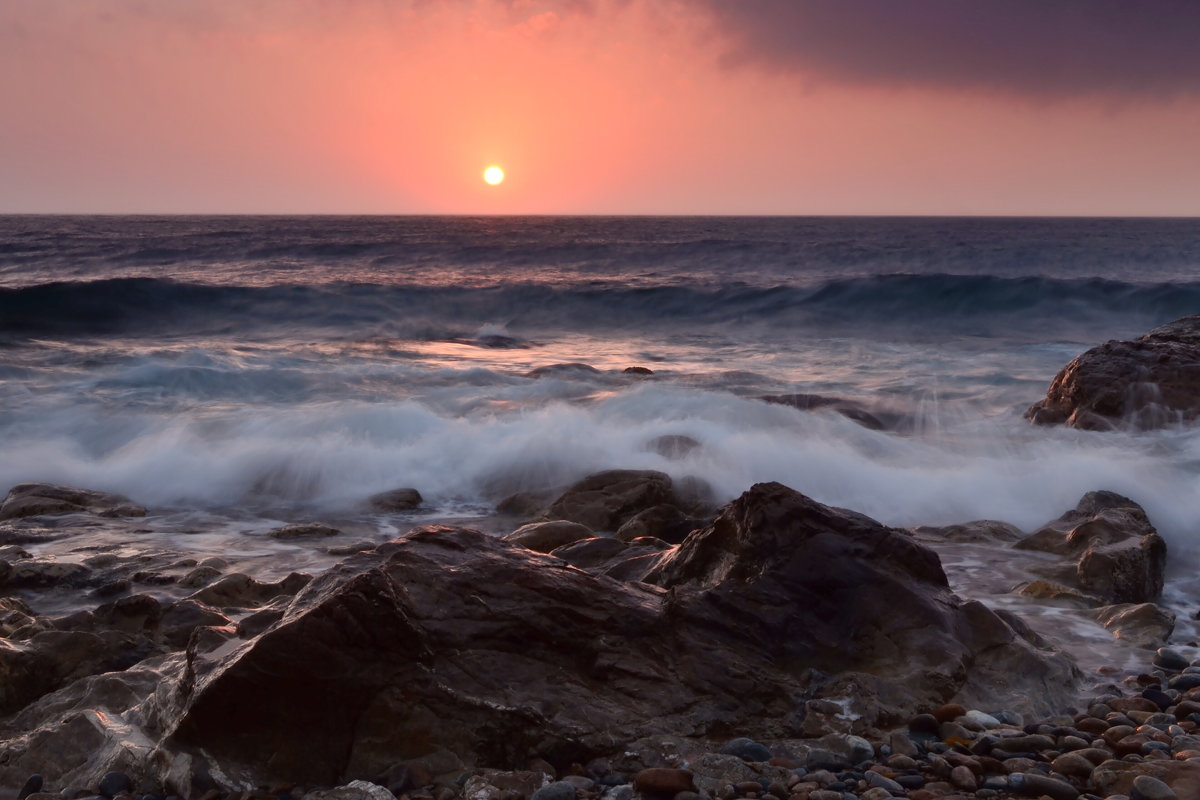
<point>36,499</point>
<point>1114,553</point>
<point>1140,624</point>
<point>304,530</point>
<point>395,500</point>
<point>546,536</point>
<point>1149,382</point>
<point>605,501</point>
<point>450,640</point>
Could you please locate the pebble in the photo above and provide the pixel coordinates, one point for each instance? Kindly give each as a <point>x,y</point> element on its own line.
<point>559,790</point>
<point>658,780</point>
<point>746,749</point>
<point>949,712</point>
<point>962,777</point>
<point>1035,785</point>
<point>875,780</point>
<point>1146,787</point>
<point>32,786</point>
<point>1170,659</point>
<point>114,783</point>
<point>876,794</point>
<point>923,723</point>
<point>986,721</point>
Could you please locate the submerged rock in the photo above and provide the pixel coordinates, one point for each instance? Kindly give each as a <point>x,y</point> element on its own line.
<point>35,499</point>
<point>1149,382</point>
<point>396,500</point>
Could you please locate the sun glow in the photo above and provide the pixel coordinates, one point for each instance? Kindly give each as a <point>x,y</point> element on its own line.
<point>493,175</point>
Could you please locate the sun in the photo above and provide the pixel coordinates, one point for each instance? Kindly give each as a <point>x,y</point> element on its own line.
<point>493,175</point>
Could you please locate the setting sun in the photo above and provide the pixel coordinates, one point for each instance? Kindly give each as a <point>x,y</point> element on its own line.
<point>493,175</point>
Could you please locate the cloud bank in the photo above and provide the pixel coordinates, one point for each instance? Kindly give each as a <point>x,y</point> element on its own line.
<point>1041,48</point>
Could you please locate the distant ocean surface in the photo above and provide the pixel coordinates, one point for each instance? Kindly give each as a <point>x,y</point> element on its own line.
<point>258,364</point>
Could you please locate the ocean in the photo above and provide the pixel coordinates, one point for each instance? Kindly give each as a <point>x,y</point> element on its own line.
<point>235,372</point>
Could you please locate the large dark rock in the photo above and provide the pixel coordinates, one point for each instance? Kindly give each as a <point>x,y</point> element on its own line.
<point>1149,382</point>
<point>450,640</point>
<point>1112,551</point>
<point>35,499</point>
<point>605,501</point>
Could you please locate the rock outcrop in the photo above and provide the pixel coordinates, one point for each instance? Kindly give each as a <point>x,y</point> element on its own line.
<point>1149,382</point>
<point>604,501</point>
<point>36,499</point>
<point>1112,551</point>
<point>450,640</point>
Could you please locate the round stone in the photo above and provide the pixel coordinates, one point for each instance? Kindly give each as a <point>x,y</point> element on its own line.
<point>114,783</point>
<point>659,781</point>
<point>32,786</point>
<point>924,723</point>
<point>1146,787</point>
<point>559,790</point>
<point>746,749</point>
<point>1170,659</point>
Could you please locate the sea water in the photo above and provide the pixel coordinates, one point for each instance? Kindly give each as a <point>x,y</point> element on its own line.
<point>235,372</point>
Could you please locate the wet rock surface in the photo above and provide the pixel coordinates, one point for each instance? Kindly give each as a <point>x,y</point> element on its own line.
<point>766,656</point>
<point>36,499</point>
<point>1117,554</point>
<point>1149,382</point>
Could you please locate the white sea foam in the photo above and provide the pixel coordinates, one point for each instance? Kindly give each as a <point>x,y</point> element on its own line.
<point>332,454</point>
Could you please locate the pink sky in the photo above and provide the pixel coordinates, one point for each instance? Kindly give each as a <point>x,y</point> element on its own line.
<point>600,106</point>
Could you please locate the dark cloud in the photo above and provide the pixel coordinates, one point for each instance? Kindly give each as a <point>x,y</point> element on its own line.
<point>1048,48</point>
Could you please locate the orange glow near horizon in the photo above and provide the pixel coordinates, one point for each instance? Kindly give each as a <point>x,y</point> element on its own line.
<point>616,107</point>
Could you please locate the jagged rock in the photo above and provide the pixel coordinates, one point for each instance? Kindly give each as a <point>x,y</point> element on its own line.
<point>297,530</point>
<point>396,500</point>
<point>450,640</point>
<point>983,530</point>
<point>184,616</point>
<point>238,590</point>
<point>665,522</point>
<point>1141,624</point>
<point>51,659</point>
<point>1149,382</point>
<point>546,536</point>
<point>36,499</point>
<point>606,500</point>
<point>32,573</point>
<point>1118,555</point>
<point>591,553</point>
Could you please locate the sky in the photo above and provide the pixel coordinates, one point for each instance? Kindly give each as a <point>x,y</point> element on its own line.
<point>1008,107</point>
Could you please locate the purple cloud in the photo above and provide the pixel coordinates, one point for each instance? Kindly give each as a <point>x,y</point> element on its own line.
<point>1046,48</point>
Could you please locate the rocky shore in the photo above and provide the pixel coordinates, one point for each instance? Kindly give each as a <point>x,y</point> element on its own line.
<point>784,648</point>
<point>624,638</point>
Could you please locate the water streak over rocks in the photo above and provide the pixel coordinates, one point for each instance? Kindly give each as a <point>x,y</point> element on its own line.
<point>1149,382</point>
